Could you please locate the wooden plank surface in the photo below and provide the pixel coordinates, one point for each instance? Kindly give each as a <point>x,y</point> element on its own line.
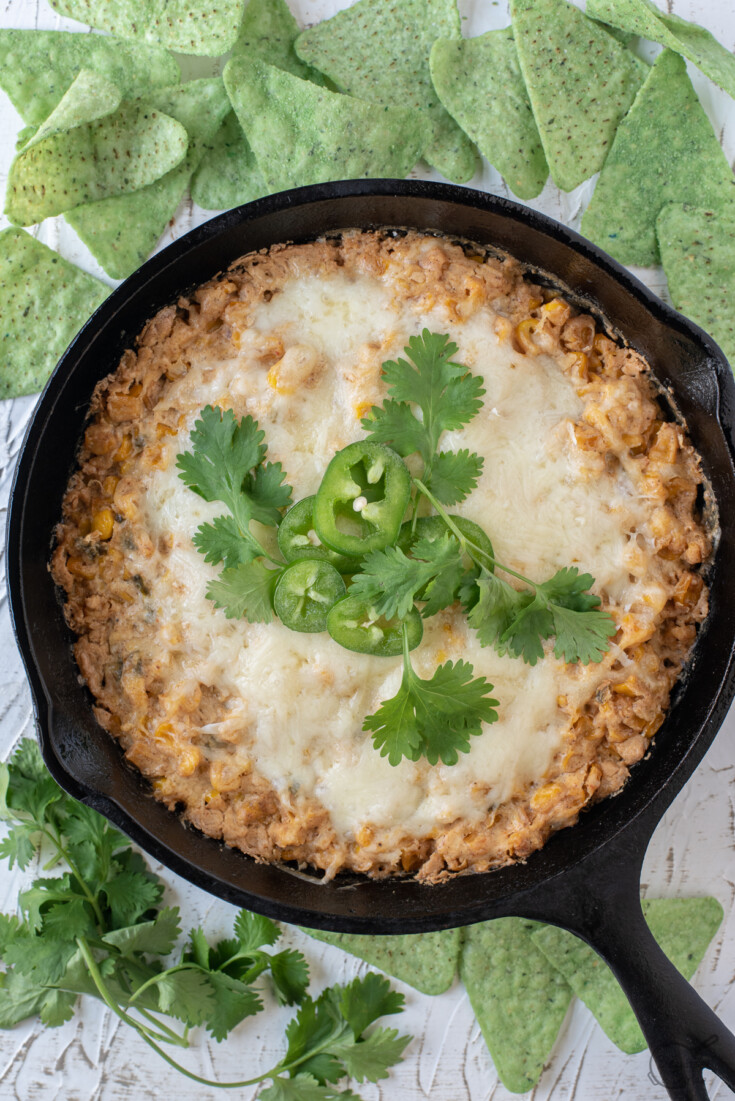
<point>94,1058</point>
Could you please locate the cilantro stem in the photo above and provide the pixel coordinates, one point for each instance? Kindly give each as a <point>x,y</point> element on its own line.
<point>109,1001</point>
<point>55,839</point>
<point>162,975</point>
<point>476,553</point>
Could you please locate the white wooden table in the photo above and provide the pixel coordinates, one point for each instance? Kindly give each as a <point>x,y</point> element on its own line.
<point>95,1058</point>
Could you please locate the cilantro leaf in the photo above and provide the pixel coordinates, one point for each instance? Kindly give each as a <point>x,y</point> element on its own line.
<point>582,636</point>
<point>448,397</point>
<point>223,541</point>
<point>253,931</point>
<point>233,1002</point>
<point>68,920</point>
<point>290,973</point>
<point>432,718</point>
<point>157,936</point>
<point>303,1087</point>
<point>533,623</point>
<point>43,958</point>
<point>18,847</point>
<point>369,1059</point>
<point>20,997</point>
<point>58,1007</point>
<point>395,424</point>
<point>223,452</point>
<point>393,581</point>
<point>568,587</point>
<point>129,895</point>
<point>453,475</point>
<point>314,1024</point>
<point>187,994</point>
<point>245,590</point>
<point>267,493</point>
<point>497,605</point>
<point>367,998</point>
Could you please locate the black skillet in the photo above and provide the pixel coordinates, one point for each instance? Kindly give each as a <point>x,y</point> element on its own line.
<point>587,878</point>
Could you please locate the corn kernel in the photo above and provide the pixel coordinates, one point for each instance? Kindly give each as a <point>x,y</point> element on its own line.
<point>125,449</point>
<point>80,567</point>
<point>523,337</point>
<point>190,760</point>
<point>628,687</point>
<point>110,485</point>
<point>103,523</point>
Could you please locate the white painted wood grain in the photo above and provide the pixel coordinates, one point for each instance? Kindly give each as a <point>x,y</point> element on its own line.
<point>94,1058</point>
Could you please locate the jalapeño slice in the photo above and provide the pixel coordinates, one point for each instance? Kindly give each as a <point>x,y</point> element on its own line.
<point>354,624</point>
<point>305,592</point>
<point>362,499</point>
<point>297,538</point>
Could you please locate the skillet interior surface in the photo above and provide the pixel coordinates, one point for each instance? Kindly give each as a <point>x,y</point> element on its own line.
<point>86,761</point>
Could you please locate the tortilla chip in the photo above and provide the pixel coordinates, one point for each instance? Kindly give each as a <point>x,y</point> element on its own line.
<point>682,926</point>
<point>479,82</point>
<point>121,232</point>
<point>379,50</point>
<point>698,254</point>
<point>580,80</point>
<point>301,134</point>
<point>207,27</point>
<point>44,301</point>
<point>86,150</point>
<point>38,67</point>
<point>665,151</point>
<point>643,18</point>
<point>520,1000</point>
<point>228,174</point>
<point>426,961</point>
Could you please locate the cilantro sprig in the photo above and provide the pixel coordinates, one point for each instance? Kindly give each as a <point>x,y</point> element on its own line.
<point>516,621</point>
<point>447,395</point>
<point>228,463</point>
<point>98,929</point>
<point>432,718</point>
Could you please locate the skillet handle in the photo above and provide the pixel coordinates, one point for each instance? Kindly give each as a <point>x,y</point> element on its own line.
<point>599,901</point>
<point>683,1034</point>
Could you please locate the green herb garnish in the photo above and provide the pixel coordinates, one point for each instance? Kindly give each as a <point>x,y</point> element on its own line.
<point>391,567</point>
<point>98,928</point>
<point>448,397</point>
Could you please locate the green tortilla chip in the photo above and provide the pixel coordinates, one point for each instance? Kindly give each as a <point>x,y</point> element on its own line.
<point>379,51</point>
<point>665,151</point>
<point>520,999</point>
<point>682,926</point>
<point>580,80</point>
<point>76,156</point>
<point>38,67</point>
<point>44,301</point>
<point>301,134</point>
<point>643,18</point>
<point>207,27</point>
<point>121,232</point>
<point>426,961</point>
<point>698,254</point>
<point>479,82</point>
<point>228,174</point>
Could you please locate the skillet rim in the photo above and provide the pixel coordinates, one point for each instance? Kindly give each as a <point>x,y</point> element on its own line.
<point>464,905</point>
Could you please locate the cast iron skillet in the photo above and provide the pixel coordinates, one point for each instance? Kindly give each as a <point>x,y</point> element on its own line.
<point>587,878</point>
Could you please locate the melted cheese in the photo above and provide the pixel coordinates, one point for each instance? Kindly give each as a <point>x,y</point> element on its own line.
<point>300,700</point>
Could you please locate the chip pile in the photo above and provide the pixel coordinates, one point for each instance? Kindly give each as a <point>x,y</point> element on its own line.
<point>521,977</point>
<point>113,139</point>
